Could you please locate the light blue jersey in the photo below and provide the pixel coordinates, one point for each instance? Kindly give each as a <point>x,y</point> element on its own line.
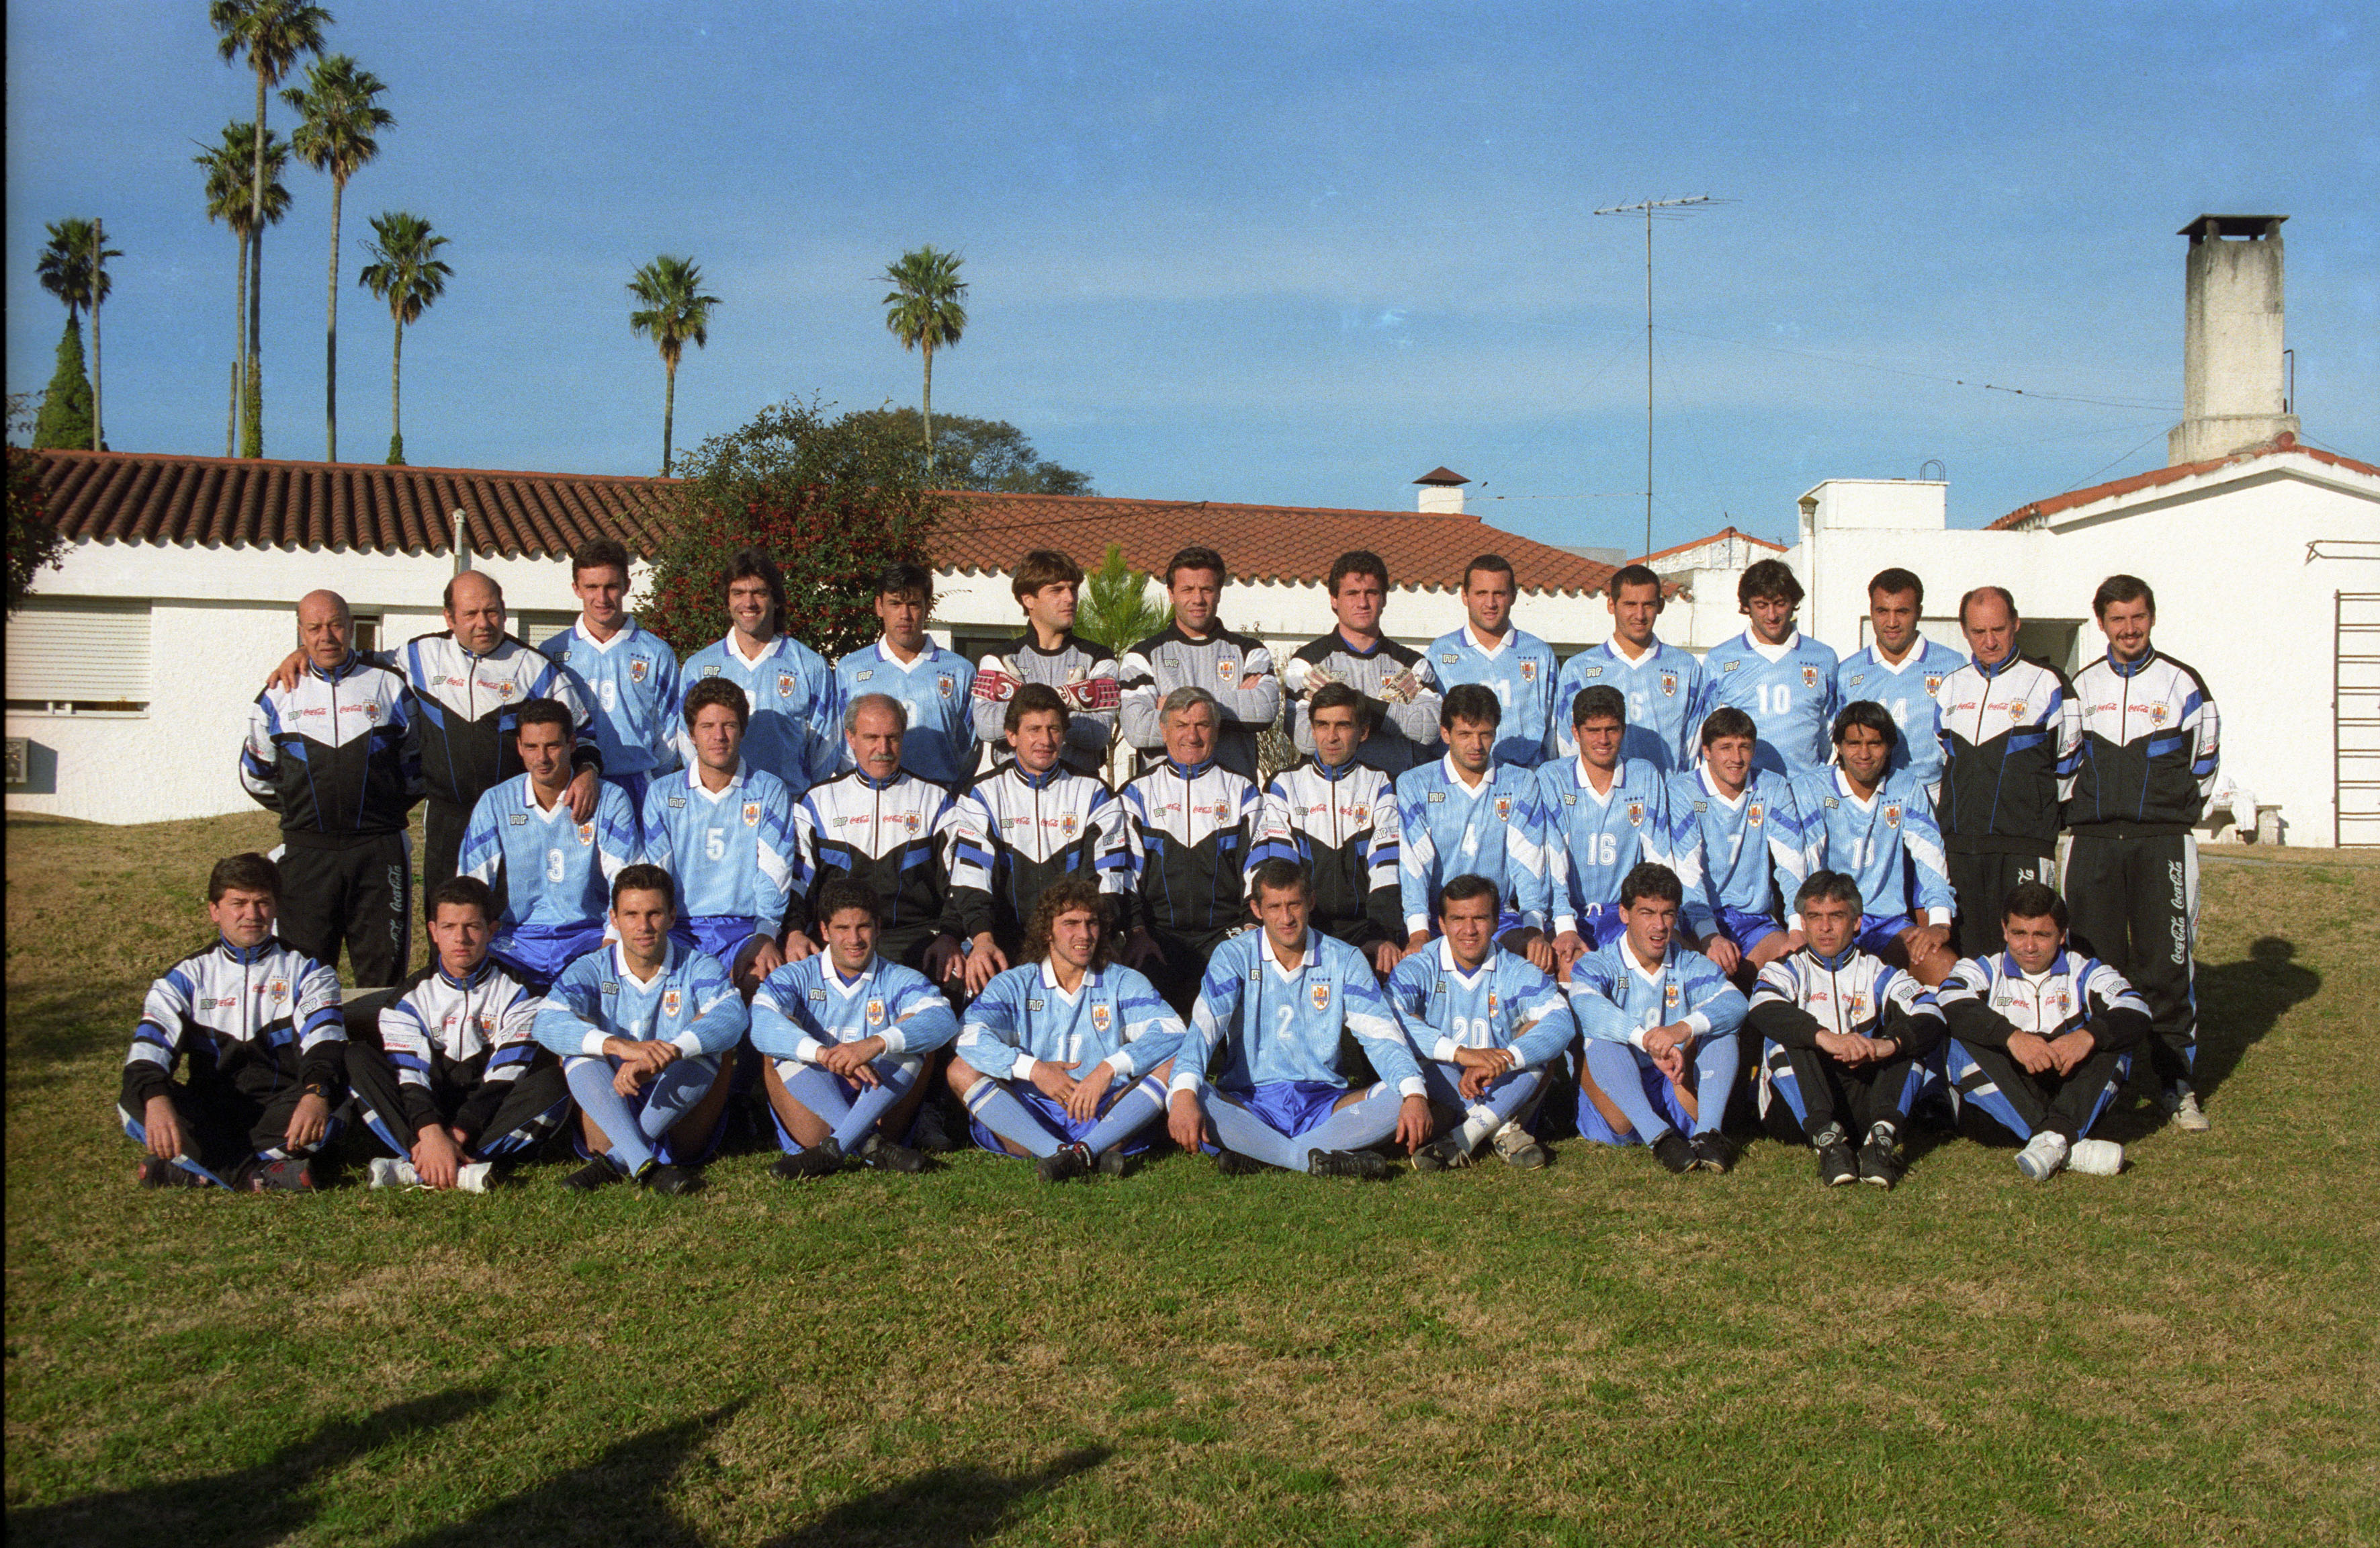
<point>1619,999</point>
<point>631,683</point>
<point>1593,841</point>
<point>553,873</point>
<point>1661,687</point>
<point>1277,1024</point>
<point>1520,670</point>
<point>937,688</point>
<point>1748,853</point>
<point>1114,1016</point>
<point>805,1006</point>
<point>1888,844</point>
<point>1907,692</point>
<point>1495,829</point>
<point>796,731</point>
<point>688,1002</point>
<point>732,852</point>
<point>1506,1002</point>
<point>1789,692</point>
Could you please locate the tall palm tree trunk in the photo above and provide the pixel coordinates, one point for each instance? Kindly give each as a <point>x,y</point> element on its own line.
<point>98,436</point>
<point>927,414</point>
<point>331,336</point>
<point>253,443</point>
<point>238,353</point>
<point>395,373</point>
<point>669,413</point>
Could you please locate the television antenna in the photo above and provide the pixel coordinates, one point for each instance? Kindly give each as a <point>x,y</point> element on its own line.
<point>1668,209</point>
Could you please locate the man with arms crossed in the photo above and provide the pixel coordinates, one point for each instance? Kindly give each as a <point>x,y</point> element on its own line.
<point>1065,1058</point>
<point>724,831</point>
<point>1877,827</point>
<point>1198,651</point>
<point>1603,817</point>
<point>1904,670</point>
<point>1337,818</point>
<point>1047,587</point>
<point>881,826</point>
<point>1277,1001</point>
<point>1397,683</point>
<point>1660,682</point>
<point>789,691</point>
<point>935,686</point>
<point>1515,665</point>
<point>1738,844</point>
<point>627,673</point>
<point>1465,814</point>
<point>1779,677</point>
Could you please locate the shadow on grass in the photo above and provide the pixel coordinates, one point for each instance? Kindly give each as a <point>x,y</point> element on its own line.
<point>950,1507</point>
<point>255,1506</point>
<point>53,1026</point>
<point>2239,1002</point>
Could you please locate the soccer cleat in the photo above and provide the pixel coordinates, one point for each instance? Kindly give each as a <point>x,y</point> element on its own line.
<point>393,1172</point>
<point>1519,1147</point>
<point>1837,1166</point>
<point>1232,1164</point>
<point>1346,1163</point>
<point>1879,1159</point>
<point>1114,1162</point>
<point>1442,1155</point>
<point>1712,1153</point>
<point>289,1175</point>
<point>2043,1157</point>
<point>2181,1105</point>
<point>153,1172</point>
<point>473,1177</point>
<point>823,1159</point>
<point>882,1155</point>
<point>655,1176</point>
<point>1065,1163</point>
<point>932,1135</point>
<point>598,1173</point>
<point>1672,1151</point>
<point>2095,1158</point>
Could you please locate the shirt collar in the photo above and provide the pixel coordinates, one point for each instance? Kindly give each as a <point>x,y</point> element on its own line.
<point>1272,959</point>
<point>1838,962</point>
<point>1188,771</point>
<point>1489,647</point>
<point>736,652</point>
<point>1446,767</point>
<point>248,956</point>
<point>1447,962</point>
<point>693,778</point>
<point>1057,771</point>
<point>2127,669</point>
<point>477,976</point>
<point>627,975</point>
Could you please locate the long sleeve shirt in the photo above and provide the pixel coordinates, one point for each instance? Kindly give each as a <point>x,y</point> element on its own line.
<point>1910,692</point>
<point>806,1007</point>
<point>1398,684</point>
<point>794,732</point>
<point>1274,1023</point>
<point>2011,741</point>
<point>936,687</point>
<point>1114,1016</point>
<point>550,870</point>
<point>1519,669</point>
<point>1801,994</point>
<point>338,755</point>
<point>630,682</point>
<point>1495,829</point>
<point>1341,825</point>
<point>1988,998</point>
<point>1013,832</point>
<point>1192,836</point>
<point>479,1030</point>
<point>731,850</point>
<point>1236,668</point>
<point>1660,685</point>
<point>688,1001</point>
<point>1083,672</point>
<point>1593,840</point>
<point>1888,843</point>
<point>890,836</point>
<point>1506,1002</point>
<point>1747,852</point>
<point>2151,748</point>
<point>255,1020</point>
<point>1789,692</point>
<point>1620,999</point>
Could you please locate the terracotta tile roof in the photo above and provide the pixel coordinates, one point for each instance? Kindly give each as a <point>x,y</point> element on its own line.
<point>1719,536</point>
<point>2026,516</point>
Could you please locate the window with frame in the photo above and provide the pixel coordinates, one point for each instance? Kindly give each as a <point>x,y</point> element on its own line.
<point>79,655</point>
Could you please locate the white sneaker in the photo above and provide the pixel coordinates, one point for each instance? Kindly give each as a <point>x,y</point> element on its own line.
<point>473,1178</point>
<point>2188,1117</point>
<point>2042,1157</point>
<point>382,1172</point>
<point>2095,1158</point>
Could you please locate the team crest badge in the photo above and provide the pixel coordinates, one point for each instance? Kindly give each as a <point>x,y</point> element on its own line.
<point>1892,815</point>
<point>1668,685</point>
<point>1223,811</point>
<point>2156,715</point>
<point>1809,677</point>
<point>1491,1002</point>
<point>372,712</point>
<point>1362,812</point>
<point>1227,669</point>
<point>1100,1018</point>
<point>785,685</point>
<point>876,1013</point>
<point>670,1002</point>
<point>1503,809</point>
<point>1669,994</point>
<point>1635,815</point>
<point>945,683</point>
<point>1528,671</point>
<point>636,669</point>
<point>1753,814</point>
<point>751,814</point>
<point>487,1026</point>
<point>913,824</point>
<point>278,988</point>
<point>1932,683</point>
<point>1067,824</point>
<point>1322,996</point>
<point>585,833</point>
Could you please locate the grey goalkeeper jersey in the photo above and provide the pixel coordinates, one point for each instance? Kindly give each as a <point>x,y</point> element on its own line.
<point>1396,680</point>
<point>1083,672</point>
<point>1235,668</point>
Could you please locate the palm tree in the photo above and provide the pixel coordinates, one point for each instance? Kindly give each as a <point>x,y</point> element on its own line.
<point>675,312</point>
<point>406,272</point>
<point>272,33</point>
<point>226,164</point>
<point>74,269</point>
<point>923,312</point>
<point>342,110</point>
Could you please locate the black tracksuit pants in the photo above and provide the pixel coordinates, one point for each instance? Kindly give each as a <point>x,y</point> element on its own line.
<point>1837,1093</point>
<point>2045,1102</point>
<point>358,892</point>
<point>2133,902</point>
<point>501,1119</point>
<point>441,842</point>
<point>1982,882</point>
<point>224,1128</point>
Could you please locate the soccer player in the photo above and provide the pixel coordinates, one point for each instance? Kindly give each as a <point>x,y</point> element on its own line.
<point>2151,752</point>
<point>1191,828</point>
<point>1661,681</point>
<point>1065,1057</point>
<point>1904,670</point>
<point>1877,825</point>
<point>1659,1024</point>
<point>338,758</point>
<point>935,686</point>
<point>627,674</point>
<point>1487,1024</point>
<point>879,825</point>
<point>1047,587</point>
<point>1467,814</point>
<point>724,831</point>
<point>1397,684</point>
<point>846,1035</point>
<point>2011,740</point>
<point>267,1051</point>
<point>1736,839</point>
<point>1021,827</point>
<point>1845,1041</point>
<point>2041,1038</point>
<point>1514,664</point>
<point>553,872</point>
<point>458,1082</point>
<point>1337,817</point>
<point>1276,1003</point>
<point>1779,677</point>
<point>1604,815</point>
<point>1198,651</point>
<point>789,691</point>
<point>646,1030</point>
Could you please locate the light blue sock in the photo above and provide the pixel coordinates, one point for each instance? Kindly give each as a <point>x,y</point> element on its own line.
<point>893,1079</point>
<point>673,1093</point>
<point>1127,1115</point>
<point>989,1103</point>
<point>1358,1124</point>
<point>1714,1066</point>
<point>591,1082</point>
<point>1617,1070</point>
<point>1238,1129</point>
<point>820,1094</point>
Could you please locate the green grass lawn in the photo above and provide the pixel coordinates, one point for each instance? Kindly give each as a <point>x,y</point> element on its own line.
<point>1597,1353</point>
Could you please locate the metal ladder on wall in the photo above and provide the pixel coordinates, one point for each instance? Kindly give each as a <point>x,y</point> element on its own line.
<point>2355,718</point>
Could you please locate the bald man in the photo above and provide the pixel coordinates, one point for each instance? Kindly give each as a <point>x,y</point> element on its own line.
<point>337,756</point>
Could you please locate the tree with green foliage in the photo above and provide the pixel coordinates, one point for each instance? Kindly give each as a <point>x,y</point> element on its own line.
<point>273,34</point>
<point>341,104</point>
<point>73,267</point>
<point>1117,609</point>
<point>924,311</point>
<point>65,421</point>
<point>975,454</point>
<point>828,500</point>
<point>408,273</point>
<point>225,164</point>
<point>676,313</point>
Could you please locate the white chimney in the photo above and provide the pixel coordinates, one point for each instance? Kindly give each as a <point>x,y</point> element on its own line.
<point>2231,386</point>
<point>1441,492</point>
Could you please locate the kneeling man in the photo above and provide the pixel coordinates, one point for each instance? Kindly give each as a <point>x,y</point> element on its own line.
<point>1276,1001</point>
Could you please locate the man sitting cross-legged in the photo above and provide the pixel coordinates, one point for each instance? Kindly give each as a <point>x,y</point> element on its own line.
<point>1487,1023</point>
<point>846,1035</point>
<point>267,1051</point>
<point>1276,1001</point>
<point>458,1082</point>
<point>646,1028</point>
<point>2042,1038</point>
<point>1065,1058</point>
<point>1660,1026</point>
<point>1845,1038</point>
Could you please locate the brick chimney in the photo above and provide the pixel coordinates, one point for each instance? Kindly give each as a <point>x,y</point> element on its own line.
<point>2231,385</point>
<point>1441,492</point>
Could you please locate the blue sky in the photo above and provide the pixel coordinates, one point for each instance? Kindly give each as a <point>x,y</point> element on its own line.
<point>1294,254</point>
